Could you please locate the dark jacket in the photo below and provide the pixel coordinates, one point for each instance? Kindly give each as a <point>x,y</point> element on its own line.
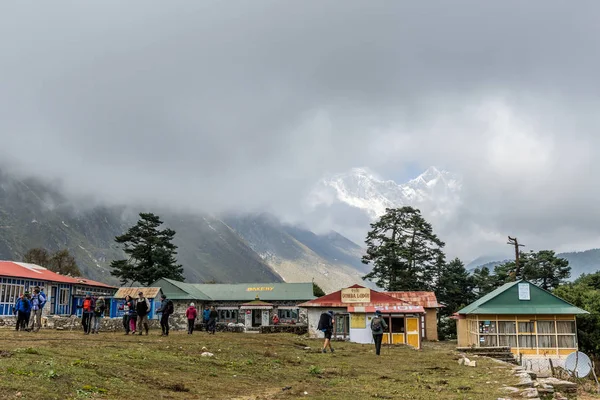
<point>142,307</point>
<point>325,322</point>
<point>383,326</point>
<point>128,307</point>
<point>99,307</point>
<point>213,314</point>
<point>164,307</point>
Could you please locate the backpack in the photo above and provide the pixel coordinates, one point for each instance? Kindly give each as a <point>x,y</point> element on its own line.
<point>376,325</point>
<point>170,307</point>
<point>87,305</point>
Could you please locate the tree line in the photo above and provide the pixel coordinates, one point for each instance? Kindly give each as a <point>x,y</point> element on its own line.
<point>407,255</point>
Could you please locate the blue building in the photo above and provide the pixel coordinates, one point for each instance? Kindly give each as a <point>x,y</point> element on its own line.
<point>151,293</point>
<point>63,293</point>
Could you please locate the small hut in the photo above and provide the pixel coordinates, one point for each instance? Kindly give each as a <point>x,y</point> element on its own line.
<point>151,293</point>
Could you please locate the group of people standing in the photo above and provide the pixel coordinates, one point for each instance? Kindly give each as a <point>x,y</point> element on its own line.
<point>135,315</point>
<point>92,313</point>
<point>27,306</point>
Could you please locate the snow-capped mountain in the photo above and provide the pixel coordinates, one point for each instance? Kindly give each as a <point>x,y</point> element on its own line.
<point>435,191</point>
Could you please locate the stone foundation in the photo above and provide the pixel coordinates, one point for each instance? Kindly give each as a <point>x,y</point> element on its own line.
<point>295,329</point>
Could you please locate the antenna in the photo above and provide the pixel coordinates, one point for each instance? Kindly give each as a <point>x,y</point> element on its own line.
<point>514,242</point>
<point>578,364</point>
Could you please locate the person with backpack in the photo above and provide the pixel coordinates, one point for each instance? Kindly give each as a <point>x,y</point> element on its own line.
<point>127,306</point>
<point>326,326</point>
<point>212,320</point>
<point>38,301</point>
<point>378,326</point>
<point>142,308</point>
<point>99,308</point>
<point>166,309</point>
<point>22,309</point>
<point>133,317</point>
<point>87,315</point>
<point>206,317</point>
<point>191,315</point>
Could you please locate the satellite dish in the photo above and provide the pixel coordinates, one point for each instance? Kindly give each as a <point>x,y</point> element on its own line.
<point>578,364</point>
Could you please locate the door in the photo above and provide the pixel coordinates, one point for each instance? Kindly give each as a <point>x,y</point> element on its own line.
<point>248,318</point>
<point>256,317</point>
<point>265,317</point>
<point>413,333</point>
<point>53,294</point>
<point>341,326</point>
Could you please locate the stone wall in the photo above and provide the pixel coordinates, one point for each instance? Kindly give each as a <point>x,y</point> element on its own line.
<point>295,329</point>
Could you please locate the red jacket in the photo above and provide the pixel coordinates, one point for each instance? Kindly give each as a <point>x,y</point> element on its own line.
<point>191,313</point>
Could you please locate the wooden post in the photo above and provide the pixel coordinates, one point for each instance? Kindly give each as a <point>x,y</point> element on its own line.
<point>514,242</point>
<point>551,367</point>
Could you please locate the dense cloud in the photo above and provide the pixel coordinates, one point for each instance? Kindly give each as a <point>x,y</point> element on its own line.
<point>217,105</point>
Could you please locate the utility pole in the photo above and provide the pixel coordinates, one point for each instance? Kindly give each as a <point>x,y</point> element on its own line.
<point>515,242</point>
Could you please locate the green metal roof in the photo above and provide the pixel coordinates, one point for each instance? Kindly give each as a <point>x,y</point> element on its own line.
<point>176,290</point>
<point>505,300</point>
<point>236,291</point>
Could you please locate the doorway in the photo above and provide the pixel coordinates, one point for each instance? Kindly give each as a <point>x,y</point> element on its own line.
<point>342,326</point>
<point>256,318</point>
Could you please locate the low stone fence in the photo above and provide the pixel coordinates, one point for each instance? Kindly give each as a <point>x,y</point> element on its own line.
<point>295,329</point>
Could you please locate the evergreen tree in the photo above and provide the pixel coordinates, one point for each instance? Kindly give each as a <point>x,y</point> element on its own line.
<point>542,268</point>
<point>64,263</point>
<point>483,281</point>
<point>37,256</point>
<point>61,261</point>
<point>403,250</point>
<point>151,253</point>
<point>455,287</point>
<point>317,291</point>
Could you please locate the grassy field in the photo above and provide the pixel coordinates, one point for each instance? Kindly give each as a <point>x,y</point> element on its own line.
<point>69,365</point>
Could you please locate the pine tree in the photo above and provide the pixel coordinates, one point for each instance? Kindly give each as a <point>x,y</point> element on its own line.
<point>403,250</point>
<point>542,268</point>
<point>455,287</point>
<point>483,281</point>
<point>151,253</point>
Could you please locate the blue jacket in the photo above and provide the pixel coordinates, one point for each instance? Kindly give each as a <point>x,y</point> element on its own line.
<point>206,315</point>
<point>20,306</point>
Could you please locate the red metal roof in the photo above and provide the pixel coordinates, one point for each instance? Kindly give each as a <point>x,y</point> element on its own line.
<point>35,272</point>
<point>423,299</point>
<point>379,300</point>
<point>387,309</point>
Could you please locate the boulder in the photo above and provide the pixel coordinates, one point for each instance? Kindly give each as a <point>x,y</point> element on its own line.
<point>530,393</point>
<point>207,354</point>
<point>525,380</point>
<point>560,385</point>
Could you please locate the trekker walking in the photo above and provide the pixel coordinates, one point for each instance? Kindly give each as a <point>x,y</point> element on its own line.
<point>191,315</point>
<point>166,309</point>
<point>38,301</point>
<point>206,317</point>
<point>127,306</point>
<point>142,308</point>
<point>22,309</point>
<point>98,314</point>
<point>87,313</point>
<point>212,320</point>
<point>326,326</point>
<point>378,326</point>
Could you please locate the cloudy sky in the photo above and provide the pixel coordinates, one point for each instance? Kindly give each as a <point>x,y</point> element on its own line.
<point>245,104</point>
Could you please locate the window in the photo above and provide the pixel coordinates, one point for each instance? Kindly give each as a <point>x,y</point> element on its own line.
<point>507,340</point>
<point>64,297</point>
<point>290,314</point>
<point>527,327</point>
<point>9,293</point>
<point>566,334</point>
<point>507,333</point>
<point>527,341</point>
<point>486,327</point>
<point>228,315</point>
<point>507,327</point>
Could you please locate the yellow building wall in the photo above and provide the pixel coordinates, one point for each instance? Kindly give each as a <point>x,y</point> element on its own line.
<point>462,332</point>
<point>466,337</point>
<point>431,328</point>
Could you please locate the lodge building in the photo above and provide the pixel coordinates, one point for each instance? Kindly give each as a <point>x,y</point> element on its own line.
<point>411,316</point>
<point>529,320</point>
<point>250,304</point>
<point>63,293</point>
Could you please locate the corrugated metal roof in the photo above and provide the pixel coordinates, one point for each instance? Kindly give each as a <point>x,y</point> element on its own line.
<point>149,292</point>
<point>505,300</point>
<point>188,291</point>
<point>335,300</point>
<point>423,299</point>
<point>32,271</point>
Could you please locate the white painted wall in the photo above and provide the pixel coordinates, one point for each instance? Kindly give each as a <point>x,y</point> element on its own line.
<point>314,314</point>
<point>363,336</point>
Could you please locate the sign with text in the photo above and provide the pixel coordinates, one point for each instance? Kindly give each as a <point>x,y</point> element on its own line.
<point>524,293</point>
<point>356,295</point>
<point>260,289</point>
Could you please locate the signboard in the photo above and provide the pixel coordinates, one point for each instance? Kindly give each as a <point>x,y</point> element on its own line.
<point>356,295</point>
<point>524,293</point>
<point>260,289</point>
<point>358,321</point>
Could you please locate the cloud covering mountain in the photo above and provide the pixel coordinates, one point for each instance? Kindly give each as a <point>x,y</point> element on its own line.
<point>210,107</point>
